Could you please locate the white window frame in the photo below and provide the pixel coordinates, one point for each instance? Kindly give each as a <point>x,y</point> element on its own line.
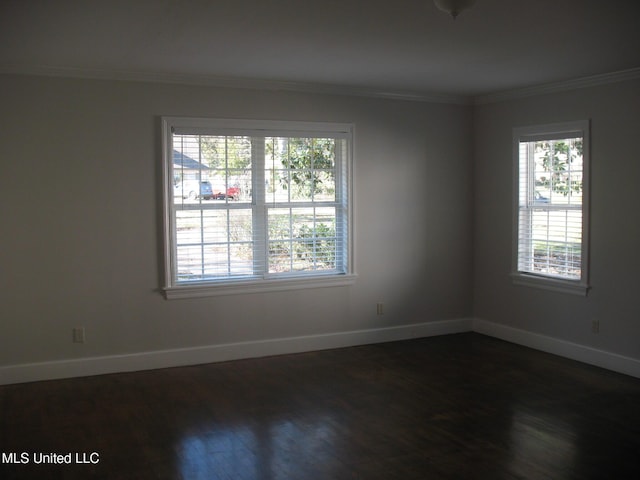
<point>549,132</point>
<point>174,289</point>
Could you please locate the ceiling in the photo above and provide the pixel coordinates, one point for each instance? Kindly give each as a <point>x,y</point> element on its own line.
<point>395,47</point>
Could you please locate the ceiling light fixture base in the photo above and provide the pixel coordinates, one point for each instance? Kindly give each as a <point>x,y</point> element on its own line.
<point>454,7</point>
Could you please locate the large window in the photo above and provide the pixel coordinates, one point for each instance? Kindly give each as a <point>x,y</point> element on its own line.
<point>255,205</point>
<point>551,206</point>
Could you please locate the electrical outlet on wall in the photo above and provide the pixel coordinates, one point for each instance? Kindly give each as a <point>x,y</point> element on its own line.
<point>78,335</point>
<point>595,326</point>
<point>380,308</point>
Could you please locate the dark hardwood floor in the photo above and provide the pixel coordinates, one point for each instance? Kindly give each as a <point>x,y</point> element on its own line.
<point>454,407</point>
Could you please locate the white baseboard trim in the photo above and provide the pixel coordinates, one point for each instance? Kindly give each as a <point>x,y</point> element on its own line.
<point>81,367</point>
<point>563,348</point>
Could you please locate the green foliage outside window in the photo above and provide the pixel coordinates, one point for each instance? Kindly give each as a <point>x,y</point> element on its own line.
<point>307,165</point>
<point>557,159</point>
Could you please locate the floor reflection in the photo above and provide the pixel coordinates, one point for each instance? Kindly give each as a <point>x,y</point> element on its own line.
<point>541,441</point>
<point>224,450</point>
<point>262,451</point>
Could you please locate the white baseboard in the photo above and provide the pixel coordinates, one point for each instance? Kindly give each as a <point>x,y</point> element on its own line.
<point>81,367</point>
<point>563,348</point>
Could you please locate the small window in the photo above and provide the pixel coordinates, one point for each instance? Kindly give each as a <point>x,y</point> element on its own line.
<point>551,206</point>
<point>255,205</point>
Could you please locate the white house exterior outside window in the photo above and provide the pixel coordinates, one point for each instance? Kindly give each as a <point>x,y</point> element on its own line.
<point>551,210</point>
<point>253,206</point>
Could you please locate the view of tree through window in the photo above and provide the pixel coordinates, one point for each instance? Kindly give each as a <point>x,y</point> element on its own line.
<point>253,206</point>
<point>557,214</point>
<point>551,199</point>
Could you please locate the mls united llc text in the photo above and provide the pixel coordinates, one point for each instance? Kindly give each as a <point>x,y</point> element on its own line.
<point>51,458</point>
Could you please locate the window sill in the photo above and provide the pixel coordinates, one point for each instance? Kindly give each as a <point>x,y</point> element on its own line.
<point>196,290</point>
<point>552,284</point>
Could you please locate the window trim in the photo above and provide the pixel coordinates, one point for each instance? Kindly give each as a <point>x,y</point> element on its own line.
<point>174,290</point>
<point>553,131</point>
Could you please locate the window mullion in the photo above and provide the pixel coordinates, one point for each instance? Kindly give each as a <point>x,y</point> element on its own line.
<point>341,198</point>
<point>202,245</point>
<point>260,227</point>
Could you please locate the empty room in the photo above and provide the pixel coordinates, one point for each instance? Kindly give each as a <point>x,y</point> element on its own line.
<point>319,240</point>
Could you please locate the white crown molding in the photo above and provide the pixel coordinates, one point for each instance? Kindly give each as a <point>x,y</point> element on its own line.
<point>555,87</point>
<point>319,88</point>
<point>235,82</point>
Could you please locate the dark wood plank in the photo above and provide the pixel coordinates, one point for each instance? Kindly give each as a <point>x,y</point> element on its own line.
<point>453,407</point>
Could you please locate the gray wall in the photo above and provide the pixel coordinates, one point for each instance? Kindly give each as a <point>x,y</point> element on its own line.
<point>614,111</point>
<point>80,211</point>
<point>80,219</point>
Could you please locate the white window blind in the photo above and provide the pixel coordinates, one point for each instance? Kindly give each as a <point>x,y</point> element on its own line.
<point>250,203</point>
<point>550,243</point>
